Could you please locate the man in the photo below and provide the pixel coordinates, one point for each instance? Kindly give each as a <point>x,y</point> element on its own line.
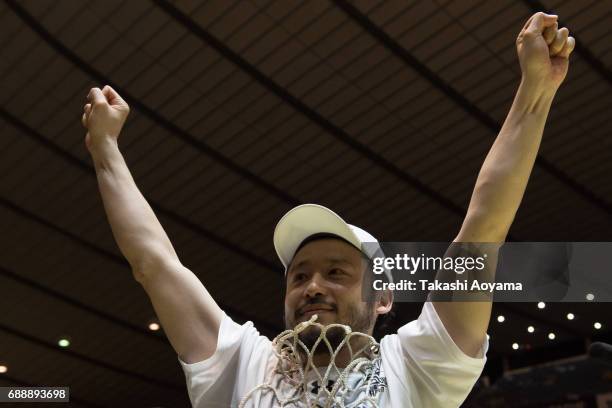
<point>431,362</point>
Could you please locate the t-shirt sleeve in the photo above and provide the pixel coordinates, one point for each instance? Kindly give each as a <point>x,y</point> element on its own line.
<point>442,374</point>
<point>211,382</point>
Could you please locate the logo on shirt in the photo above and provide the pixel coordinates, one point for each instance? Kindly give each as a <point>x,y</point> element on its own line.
<point>379,382</point>
<point>372,381</point>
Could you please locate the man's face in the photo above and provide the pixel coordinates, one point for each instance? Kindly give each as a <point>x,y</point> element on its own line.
<point>325,278</point>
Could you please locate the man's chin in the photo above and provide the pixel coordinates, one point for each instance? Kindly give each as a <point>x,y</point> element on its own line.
<point>310,335</point>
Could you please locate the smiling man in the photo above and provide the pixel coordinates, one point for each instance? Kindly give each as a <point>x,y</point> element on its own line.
<point>325,279</point>
<point>431,362</point>
<point>325,270</point>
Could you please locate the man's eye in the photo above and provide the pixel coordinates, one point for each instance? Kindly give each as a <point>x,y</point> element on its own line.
<point>335,272</point>
<point>299,276</point>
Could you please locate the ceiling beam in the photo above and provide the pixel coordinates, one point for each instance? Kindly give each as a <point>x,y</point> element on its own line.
<point>311,114</point>
<point>461,101</point>
<point>93,361</point>
<point>147,111</point>
<point>89,170</point>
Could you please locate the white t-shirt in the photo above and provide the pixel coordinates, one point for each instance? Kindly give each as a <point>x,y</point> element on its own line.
<point>420,366</point>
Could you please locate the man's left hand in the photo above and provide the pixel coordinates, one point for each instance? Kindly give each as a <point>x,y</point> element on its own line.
<point>543,50</point>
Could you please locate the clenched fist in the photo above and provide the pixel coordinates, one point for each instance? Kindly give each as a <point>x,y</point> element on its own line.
<point>543,50</point>
<point>103,116</point>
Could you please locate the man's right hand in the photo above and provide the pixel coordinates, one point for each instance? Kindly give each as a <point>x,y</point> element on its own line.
<point>103,116</point>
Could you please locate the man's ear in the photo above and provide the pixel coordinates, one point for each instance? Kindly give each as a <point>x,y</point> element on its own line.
<point>385,303</point>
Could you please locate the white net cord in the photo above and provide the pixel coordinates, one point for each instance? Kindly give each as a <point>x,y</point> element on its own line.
<point>289,350</point>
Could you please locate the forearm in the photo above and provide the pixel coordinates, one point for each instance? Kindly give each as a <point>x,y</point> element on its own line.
<point>505,172</point>
<point>137,231</point>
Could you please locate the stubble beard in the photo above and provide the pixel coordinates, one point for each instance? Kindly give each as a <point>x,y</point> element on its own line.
<point>359,319</point>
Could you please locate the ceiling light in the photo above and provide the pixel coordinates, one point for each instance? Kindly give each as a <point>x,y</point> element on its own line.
<point>530,329</point>
<point>597,325</point>
<point>63,343</point>
<point>551,336</point>
<point>3,369</point>
<point>501,318</point>
<point>153,326</point>
<point>541,305</point>
<point>515,346</point>
<point>570,316</point>
<point>590,296</point>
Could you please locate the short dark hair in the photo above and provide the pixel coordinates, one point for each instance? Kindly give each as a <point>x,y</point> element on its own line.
<point>321,235</point>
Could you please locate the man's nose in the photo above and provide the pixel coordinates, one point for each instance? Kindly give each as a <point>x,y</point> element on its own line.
<point>316,286</point>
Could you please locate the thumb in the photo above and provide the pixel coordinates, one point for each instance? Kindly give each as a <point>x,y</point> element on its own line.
<point>96,97</point>
<point>540,21</point>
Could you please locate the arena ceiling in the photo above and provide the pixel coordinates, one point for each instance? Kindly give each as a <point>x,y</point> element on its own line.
<point>383,111</point>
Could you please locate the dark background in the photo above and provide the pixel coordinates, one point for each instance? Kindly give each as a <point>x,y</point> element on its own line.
<point>382,111</point>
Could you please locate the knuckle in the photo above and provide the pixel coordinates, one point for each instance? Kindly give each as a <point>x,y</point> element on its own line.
<point>529,35</point>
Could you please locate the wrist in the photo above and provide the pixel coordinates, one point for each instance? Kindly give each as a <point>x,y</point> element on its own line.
<point>535,96</point>
<point>104,151</point>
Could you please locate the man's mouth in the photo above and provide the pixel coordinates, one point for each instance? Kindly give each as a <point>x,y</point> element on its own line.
<point>311,310</point>
<point>315,311</point>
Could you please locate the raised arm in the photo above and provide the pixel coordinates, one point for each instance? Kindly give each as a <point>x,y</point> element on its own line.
<point>189,315</point>
<point>543,52</point>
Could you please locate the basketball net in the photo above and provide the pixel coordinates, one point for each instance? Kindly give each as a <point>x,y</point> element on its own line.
<point>290,350</point>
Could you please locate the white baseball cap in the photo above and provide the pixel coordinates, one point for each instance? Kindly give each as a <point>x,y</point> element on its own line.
<point>306,220</point>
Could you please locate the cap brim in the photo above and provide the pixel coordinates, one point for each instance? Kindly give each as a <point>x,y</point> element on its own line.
<point>303,221</point>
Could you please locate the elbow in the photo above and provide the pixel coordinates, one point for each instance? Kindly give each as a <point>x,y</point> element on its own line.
<point>151,263</point>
